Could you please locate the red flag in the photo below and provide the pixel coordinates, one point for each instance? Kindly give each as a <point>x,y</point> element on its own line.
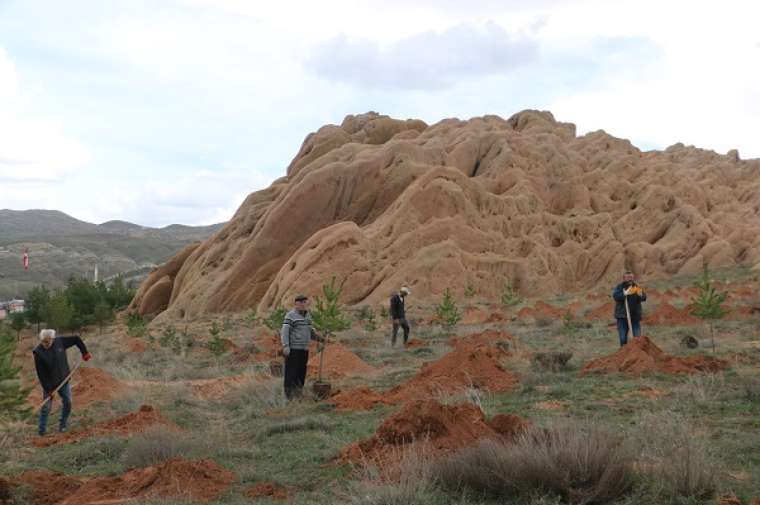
<point>25,259</point>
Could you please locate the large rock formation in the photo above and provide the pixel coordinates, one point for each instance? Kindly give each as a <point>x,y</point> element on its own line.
<point>378,203</point>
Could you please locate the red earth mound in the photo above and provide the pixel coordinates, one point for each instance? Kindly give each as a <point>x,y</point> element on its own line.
<point>474,362</point>
<point>667,314</point>
<point>339,362</point>
<point>642,356</point>
<point>266,489</point>
<point>431,427</point>
<point>542,310</point>
<point>603,312</point>
<point>361,398</point>
<point>129,424</point>
<point>44,487</point>
<point>200,480</point>
<point>88,385</point>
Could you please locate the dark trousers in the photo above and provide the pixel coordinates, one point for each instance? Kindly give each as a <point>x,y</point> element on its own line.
<point>622,327</point>
<point>65,394</point>
<point>295,372</point>
<point>403,324</point>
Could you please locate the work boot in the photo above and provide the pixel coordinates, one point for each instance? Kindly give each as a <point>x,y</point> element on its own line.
<point>62,429</point>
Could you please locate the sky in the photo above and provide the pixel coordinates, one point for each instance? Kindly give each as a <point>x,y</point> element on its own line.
<point>160,112</point>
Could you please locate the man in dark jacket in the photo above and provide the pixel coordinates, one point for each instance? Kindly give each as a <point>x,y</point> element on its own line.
<point>398,314</point>
<point>296,334</point>
<point>52,369</point>
<point>632,292</point>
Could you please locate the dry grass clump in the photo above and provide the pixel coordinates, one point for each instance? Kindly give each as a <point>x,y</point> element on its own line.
<point>156,445</point>
<point>583,463</point>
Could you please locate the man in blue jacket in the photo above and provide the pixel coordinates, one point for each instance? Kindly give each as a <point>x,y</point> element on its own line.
<point>632,292</point>
<point>296,334</point>
<point>52,368</point>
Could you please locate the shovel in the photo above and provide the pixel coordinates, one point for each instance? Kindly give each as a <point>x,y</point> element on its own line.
<point>628,316</point>
<point>322,389</point>
<point>63,382</point>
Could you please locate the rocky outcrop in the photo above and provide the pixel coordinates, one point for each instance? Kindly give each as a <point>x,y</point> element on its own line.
<point>378,203</point>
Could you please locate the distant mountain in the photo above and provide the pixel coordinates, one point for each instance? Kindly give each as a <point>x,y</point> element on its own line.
<point>61,246</point>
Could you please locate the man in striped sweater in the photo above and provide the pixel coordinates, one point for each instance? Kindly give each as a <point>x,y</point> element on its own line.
<point>296,334</point>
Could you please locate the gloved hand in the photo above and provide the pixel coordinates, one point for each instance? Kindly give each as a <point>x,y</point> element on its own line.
<point>628,292</point>
<point>87,356</point>
<point>286,351</point>
<point>636,290</point>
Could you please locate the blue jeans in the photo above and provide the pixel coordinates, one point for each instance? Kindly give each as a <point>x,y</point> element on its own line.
<point>622,327</point>
<point>65,394</point>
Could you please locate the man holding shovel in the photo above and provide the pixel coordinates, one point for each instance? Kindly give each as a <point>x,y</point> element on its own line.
<point>628,298</point>
<point>53,373</point>
<point>297,331</point>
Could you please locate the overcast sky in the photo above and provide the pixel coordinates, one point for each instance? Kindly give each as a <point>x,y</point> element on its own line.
<point>161,112</point>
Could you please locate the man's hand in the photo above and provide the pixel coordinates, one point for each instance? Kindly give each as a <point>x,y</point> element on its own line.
<point>286,351</point>
<point>87,356</point>
<point>627,292</point>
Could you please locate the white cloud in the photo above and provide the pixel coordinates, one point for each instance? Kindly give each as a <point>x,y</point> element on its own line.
<point>427,60</point>
<point>33,146</point>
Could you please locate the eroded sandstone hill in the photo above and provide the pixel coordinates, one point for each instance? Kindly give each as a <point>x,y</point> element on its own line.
<point>378,202</point>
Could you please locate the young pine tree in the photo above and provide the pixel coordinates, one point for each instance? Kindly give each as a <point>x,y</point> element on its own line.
<point>446,313</point>
<point>12,395</point>
<point>18,323</point>
<point>708,304</point>
<point>328,312</point>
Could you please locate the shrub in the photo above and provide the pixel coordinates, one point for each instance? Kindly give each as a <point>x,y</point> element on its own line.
<point>469,291</point>
<point>274,319</point>
<point>215,344</point>
<point>251,318</point>
<point>570,326</point>
<point>12,394</point>
<point>509,295</point>
<point>136,326</point>
<point>156,445</point>
<point>446,313</point>
<point>581,463</point>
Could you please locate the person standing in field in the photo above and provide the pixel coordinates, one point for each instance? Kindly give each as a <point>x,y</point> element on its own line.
<point>629,291</point>
<point>296,334</point>
<point>398,314</point>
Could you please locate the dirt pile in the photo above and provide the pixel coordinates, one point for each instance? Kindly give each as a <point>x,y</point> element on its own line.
<point>200,481</point>
<point>642,356</point>
<point>377,202</point>
<point>339,362</point>
<point>361,398</point>
<point>266,489</point>
<point>42,487</point>
<point>88,385</point>
<point>135,422</point>
<point>433,428</point>
<point>667,314</point>
<point>475,362</point>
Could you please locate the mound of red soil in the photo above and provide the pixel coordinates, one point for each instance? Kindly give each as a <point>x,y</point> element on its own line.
<point>88,385</point>
<point>603,312</point>
<point>542,310</point>
<point>129,424</point>
<point>44,487</point>
<point>432,427</point>
<point>475,315</point>
<point>361,398</point>
<point>266,489</point>
<point>339,362</point>
<point>474,362</point>
<point>667,314</point>
<point>487,338</point>
<point>642,356</point>
<point>201,481</point>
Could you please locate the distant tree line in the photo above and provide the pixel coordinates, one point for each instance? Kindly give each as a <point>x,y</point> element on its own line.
<point>80,303</point>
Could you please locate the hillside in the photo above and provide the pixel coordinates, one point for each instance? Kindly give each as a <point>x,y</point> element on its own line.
<point>61,246</point>
<point>378,202</point>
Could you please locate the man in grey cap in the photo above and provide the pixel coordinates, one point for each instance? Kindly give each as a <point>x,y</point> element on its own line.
<point>398,314</point>
<point>296,334</point>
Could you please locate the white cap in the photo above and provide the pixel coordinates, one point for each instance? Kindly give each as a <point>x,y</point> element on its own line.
<point>47,333</point>
<point>405,290</point>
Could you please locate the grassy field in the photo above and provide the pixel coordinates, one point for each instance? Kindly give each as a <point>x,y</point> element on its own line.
<point>672,425</point>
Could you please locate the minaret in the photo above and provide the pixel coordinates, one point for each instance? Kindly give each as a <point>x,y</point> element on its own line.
<point>96,273</point>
